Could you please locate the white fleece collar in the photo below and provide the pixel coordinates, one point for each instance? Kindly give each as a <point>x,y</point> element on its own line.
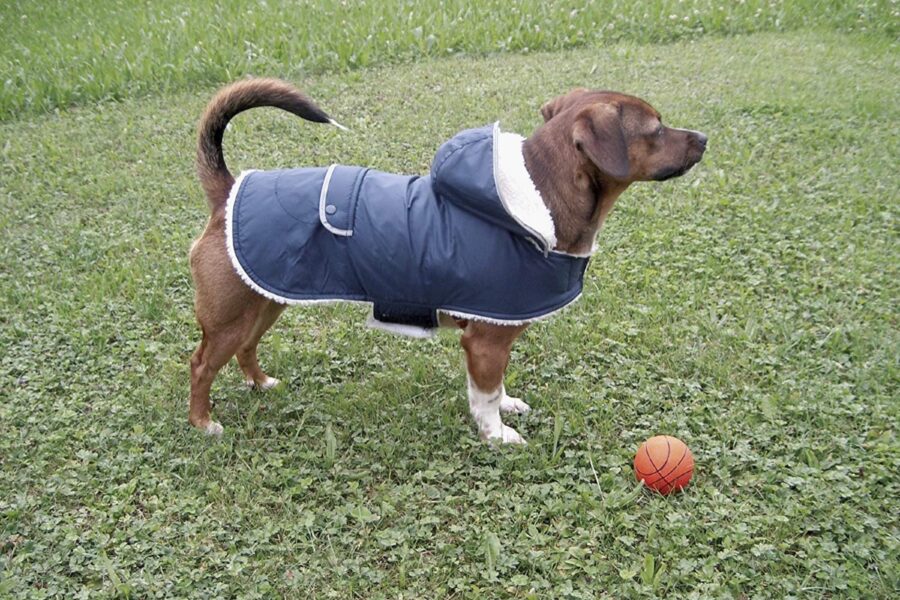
<point>517,191</point>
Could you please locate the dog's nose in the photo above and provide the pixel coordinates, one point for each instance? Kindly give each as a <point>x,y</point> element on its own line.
<point>702,139</point>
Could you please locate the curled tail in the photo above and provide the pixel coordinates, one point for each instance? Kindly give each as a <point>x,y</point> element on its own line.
<point>228,102</point>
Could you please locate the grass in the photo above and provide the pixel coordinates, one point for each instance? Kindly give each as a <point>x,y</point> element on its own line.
<point>56,53</point>
<point>749,308</point>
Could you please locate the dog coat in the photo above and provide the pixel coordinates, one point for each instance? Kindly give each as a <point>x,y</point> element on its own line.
<point>473,239</point>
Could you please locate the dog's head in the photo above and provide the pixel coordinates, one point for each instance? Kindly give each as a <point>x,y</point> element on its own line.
<point>620,137</point>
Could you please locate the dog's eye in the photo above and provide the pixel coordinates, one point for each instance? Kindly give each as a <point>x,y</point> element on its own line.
<point>659,131</point>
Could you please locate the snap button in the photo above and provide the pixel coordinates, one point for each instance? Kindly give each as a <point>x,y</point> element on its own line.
<point>331,209</point>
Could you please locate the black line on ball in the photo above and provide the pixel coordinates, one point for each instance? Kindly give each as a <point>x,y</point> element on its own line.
<point>650,458</point>
<point>668,454</point>
<point>656,472</point>
<point>691,472</point>
<point>683,456</point>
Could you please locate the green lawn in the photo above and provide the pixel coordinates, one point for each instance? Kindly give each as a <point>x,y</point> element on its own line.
<point>749,308</point>
<point>55,53</point>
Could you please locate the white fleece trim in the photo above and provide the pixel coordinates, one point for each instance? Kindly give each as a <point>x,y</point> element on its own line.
<point>517,191</point>
<point>587,254</point>
<point>470,317</point>
<point>413,331</point>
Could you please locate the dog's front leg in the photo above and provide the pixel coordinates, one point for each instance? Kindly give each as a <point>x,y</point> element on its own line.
<point>487,355</point>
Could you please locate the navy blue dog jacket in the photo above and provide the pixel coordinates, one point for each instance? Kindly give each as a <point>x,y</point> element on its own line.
<point>473,239</point>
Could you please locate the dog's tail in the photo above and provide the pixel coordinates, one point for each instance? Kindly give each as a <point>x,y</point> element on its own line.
<point>231,100</point>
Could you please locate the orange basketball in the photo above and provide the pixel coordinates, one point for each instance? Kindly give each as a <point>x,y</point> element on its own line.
<point>664,463</point>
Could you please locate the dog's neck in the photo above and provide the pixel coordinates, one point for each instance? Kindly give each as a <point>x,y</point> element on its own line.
<point>577,202</point>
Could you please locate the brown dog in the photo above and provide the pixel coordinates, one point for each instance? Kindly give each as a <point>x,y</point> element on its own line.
<point>590,148</point>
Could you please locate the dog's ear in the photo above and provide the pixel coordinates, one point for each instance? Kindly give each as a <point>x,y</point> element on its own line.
<point>551,108</point>
<point>597,133</point>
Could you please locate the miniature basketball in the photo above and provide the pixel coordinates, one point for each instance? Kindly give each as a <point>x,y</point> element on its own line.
<point>664,464</point>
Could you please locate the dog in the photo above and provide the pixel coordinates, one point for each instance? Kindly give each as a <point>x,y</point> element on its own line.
<point>504,226</point>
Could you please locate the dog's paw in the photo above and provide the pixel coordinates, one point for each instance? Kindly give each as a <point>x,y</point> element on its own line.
<point>268,384</point>
<point>509,404</point>
<point>511,436</point>
<point>506,435</point>
<point>214,428</point>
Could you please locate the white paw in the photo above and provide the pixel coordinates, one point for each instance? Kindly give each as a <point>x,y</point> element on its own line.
<point>507,435</point>
<point>508,404</point>
<point>214,428</point>
<point>511,436</point>
<point>268,384</point>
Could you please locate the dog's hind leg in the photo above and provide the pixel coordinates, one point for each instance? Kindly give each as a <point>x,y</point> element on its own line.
<point>487,355</point>
<point>213,353</point>
<point>227,311</point>
<point>246,354</point>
